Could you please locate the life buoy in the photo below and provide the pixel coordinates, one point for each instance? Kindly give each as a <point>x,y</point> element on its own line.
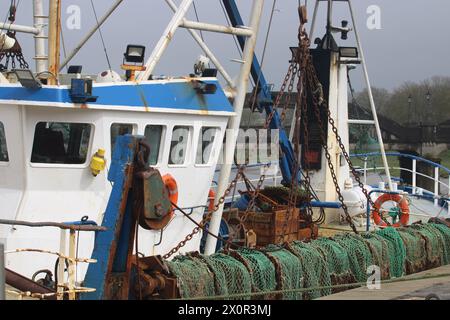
<point>172,188</point>
<point>404,209</point>
<point>212,199</point>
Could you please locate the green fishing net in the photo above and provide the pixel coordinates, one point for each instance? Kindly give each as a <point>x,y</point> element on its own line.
<point>231,276</point>
<point>434,243</point>
<point>261,269</point>
<point>288,271</point>
<point>337,260</point>
<point>445,232</point>
<point>343,259</point>
<point>315,269</point>
<point>416,252</point>
<point>397,251</point>
<point>193,276</point>
<point>358,252</point>
<point>380,253</point>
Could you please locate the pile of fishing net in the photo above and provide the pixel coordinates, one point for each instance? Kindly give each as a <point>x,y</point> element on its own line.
<point>300,270</point>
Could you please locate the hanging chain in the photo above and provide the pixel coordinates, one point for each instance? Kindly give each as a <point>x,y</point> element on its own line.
<point>319,100</point>
<point>15,53</point>
<point>208,216</point>
<point>255,195</point>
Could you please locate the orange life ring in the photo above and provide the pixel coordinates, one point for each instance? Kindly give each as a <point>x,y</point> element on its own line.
<point>212,199</point>
<point>172,188</point>
<point>404,207</point>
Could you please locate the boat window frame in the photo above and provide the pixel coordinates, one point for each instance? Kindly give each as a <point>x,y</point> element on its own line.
<point>133,132</point>
<point>8,161</point>
<point>161,142</point>
<point>189,146</point>
<point>213,148</point>
<point>63,165</point>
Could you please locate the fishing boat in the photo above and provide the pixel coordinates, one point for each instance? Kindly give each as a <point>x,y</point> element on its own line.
<point>111,186</point>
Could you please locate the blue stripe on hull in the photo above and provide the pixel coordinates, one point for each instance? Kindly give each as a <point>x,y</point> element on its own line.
<point>175,95</point>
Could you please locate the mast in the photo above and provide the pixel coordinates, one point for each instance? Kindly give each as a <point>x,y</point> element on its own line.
<point>234,124</point>
<point>54,34</point>
<point>40,57</point>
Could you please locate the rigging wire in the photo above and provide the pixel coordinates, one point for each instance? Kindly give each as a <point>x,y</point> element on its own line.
<point>229,24</point>
<point>264,52</point>
<point>252,108</point>
<point>64,46</point>
<point>198,20</point>
<point>101,36</point>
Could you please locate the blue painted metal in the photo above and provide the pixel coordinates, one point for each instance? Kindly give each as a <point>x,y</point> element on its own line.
<point>224,233</point>
<point>326,204</point>
<point>111,246</point>
<point>403,155</point>
<point>170,95</point>
<point>264,99</point>
<point>81,223</point>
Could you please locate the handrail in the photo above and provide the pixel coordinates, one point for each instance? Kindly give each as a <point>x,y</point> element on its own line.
<point>88,226</point>
<point>403,155</point>
<point>72,259</point>
<point>407,170</point>
<point>415,159</point>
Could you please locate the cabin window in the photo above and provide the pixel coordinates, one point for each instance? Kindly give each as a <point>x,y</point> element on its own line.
<point>153,135</point>
<point>3,148</point>
<point>119,129</point>
<point>205,144</point>
<point>61,143</point>
<point>178,145</point>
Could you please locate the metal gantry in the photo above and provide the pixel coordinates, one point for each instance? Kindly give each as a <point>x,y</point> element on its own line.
<point>366,78</point>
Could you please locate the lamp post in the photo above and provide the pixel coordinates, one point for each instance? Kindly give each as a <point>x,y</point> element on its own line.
<point>429,111</point>
<point>409,109</point>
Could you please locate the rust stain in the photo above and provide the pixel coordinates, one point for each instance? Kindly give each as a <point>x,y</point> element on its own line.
<point>143,99</point>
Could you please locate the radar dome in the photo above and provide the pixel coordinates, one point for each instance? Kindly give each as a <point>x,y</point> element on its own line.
<point>109,76</point>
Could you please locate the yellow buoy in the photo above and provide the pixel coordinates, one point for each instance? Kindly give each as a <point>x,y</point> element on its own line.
<point>98,162</point>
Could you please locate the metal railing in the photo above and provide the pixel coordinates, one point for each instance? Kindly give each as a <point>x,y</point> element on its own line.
<point>415,190</point>
<point>70,288</point>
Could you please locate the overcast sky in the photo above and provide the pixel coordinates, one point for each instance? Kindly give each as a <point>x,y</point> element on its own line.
<point>412,44</point>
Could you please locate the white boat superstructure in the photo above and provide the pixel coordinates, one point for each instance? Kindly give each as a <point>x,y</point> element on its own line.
<point>47,141</point>
<point>57,141</point>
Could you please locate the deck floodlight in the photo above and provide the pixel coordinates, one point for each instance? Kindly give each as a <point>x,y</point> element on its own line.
<point>27,79</point>
<point>348,52</point>
<point>135,54</point>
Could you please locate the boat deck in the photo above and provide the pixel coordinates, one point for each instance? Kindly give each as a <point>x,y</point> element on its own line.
<point>415,288</point>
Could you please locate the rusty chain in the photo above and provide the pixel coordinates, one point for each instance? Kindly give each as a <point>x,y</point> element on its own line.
<point>15,53</point>
<point>319,100</point>
<point>208,216</point>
